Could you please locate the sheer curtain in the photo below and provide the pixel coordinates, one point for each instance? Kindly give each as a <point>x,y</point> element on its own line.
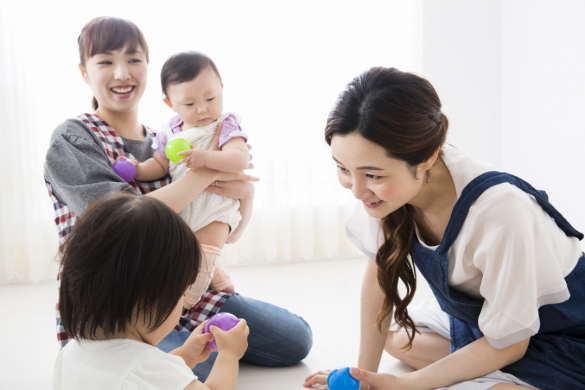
<point>283,65</point>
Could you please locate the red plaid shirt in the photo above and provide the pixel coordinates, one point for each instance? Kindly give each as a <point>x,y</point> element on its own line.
<point>65,218</point>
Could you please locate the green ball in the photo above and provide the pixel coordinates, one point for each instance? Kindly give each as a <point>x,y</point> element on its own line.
<point>175,146</point>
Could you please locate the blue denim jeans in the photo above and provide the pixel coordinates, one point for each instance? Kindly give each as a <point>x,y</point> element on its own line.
<point>278,338</point>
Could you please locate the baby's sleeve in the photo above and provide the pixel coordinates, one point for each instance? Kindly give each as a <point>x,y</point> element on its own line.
<point>159,143</point>
<point>231,129</point>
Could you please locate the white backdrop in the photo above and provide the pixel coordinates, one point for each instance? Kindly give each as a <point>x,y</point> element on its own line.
<point>510,75</point>
<point>511,78</point>
<point>283,64</point>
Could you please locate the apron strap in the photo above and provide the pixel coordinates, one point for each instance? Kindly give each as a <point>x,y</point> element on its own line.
<point>489,179</point>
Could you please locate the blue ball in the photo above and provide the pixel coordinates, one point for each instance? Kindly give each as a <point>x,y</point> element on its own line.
<point>341,380</point>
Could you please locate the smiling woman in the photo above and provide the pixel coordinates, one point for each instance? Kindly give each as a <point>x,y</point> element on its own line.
<point>78,172</point>
<point>115,67</point>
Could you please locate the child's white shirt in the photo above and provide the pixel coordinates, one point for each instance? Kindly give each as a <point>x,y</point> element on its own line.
<point>118,364</point>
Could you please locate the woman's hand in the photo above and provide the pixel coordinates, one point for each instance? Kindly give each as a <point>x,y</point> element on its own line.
<point>318,378</point>
<point>236,189</point>
<point>377,381</point>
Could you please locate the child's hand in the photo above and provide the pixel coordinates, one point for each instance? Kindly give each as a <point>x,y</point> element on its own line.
<point>196,345</point>
<point>137,166</point>
<point>233,341</point>
<point>194,158</point>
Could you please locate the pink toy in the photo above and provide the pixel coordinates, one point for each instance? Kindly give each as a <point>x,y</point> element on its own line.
<point>124,168</point>
<point>224,321</point>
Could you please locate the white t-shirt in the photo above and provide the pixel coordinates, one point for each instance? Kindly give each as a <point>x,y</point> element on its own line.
<point>118,364</point>
<point>509,252</point>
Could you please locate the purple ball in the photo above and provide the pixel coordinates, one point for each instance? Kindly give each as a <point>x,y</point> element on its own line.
<point>125,169</point>
<point>224,321</point>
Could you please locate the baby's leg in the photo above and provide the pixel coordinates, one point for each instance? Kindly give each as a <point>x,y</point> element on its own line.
<point>213,234</point>
<point>212,237</point>
<point>216,234</point>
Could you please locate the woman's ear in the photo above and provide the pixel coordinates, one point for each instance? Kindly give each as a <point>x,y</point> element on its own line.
<point>429,162</point>
<point>83,73</point>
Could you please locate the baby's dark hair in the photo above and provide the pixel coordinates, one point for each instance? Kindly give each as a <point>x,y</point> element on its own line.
<point>127,256</point>
<point>183,67</point>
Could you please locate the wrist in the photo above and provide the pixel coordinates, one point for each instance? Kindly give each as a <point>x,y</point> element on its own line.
<point>228,355</point>
<point>202,175</point>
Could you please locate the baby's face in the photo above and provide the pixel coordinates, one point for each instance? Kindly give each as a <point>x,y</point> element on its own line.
<point>198,102</point>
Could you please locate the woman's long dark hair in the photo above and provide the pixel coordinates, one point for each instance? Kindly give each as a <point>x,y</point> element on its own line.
<point>127,256</point>
<point>402,113</point>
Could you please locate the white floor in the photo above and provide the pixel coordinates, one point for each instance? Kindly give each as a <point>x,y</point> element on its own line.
<point>324,293</point>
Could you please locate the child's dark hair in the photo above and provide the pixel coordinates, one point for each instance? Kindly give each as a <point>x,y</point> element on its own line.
<point>184,66</point>
<point>105,33</point>
<point>127,256</point>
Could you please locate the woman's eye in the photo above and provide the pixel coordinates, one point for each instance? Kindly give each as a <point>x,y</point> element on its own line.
<point>373,177</point>
<point>105,63</point>
<point>135,60</point>
<point>342,169</point>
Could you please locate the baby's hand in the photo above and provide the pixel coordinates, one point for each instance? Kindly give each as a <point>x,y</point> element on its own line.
<point>234,340</point>
<point>194,158</point>
<point>196,345</point>
<point>137,165</point>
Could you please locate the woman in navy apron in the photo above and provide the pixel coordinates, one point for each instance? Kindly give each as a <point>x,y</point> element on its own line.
<point>506,268</point>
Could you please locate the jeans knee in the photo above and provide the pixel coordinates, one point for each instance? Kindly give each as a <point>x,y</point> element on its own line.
<point>304,342</point>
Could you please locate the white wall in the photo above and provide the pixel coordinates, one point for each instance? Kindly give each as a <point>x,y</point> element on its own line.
<point>461,58</point>
<point>543,100</point>
<point>511,78</point>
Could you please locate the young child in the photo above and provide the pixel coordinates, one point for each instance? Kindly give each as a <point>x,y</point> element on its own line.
<point>192,87</point>
<point>121,295</point>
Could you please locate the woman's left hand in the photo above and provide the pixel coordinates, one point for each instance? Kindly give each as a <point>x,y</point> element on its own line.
<point>377,381</point>
<point>318,378</point>
<point>235,189</point>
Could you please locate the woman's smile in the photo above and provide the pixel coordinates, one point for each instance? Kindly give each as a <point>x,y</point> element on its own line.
<point>372,205</point>
<point>123,91</point>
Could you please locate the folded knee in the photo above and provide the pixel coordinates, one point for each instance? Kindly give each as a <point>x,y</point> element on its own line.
<point>396,344</point>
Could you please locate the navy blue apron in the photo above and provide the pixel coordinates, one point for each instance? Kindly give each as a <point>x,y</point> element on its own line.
<point>555,358</point>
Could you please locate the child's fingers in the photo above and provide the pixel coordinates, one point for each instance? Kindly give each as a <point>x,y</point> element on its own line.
<point>201,327</point>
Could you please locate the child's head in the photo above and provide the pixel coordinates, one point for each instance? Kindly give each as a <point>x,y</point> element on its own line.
<point>128,257</point>
<point>192,87</point>
<point>106,34</point>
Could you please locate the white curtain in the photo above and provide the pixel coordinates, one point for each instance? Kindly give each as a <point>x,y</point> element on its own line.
<point>283,64</point>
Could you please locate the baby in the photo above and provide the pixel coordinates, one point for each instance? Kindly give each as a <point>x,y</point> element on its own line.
<point>193,88</point>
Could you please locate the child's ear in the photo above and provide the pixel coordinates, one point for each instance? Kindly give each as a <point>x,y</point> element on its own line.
<point>168,103</point>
